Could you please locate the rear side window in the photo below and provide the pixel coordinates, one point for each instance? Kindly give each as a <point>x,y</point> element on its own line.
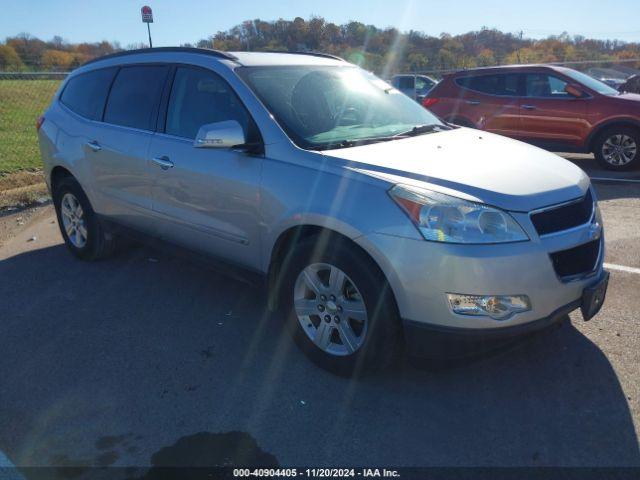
<point>504,84</point>
<point>86,93</point>
<point>135,95</point>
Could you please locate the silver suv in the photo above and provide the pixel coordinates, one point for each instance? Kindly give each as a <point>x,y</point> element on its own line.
<point>373,222</point>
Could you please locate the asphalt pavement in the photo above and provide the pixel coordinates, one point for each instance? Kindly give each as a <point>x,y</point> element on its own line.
<point>127,361</point>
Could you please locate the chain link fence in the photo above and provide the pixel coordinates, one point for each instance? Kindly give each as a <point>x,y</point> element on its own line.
<point>23,98</point>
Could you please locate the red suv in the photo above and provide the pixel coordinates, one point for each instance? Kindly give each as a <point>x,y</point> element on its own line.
<point>557,108</point>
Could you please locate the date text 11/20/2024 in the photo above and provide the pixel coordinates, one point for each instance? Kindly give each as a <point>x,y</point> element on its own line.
<point>316,472</point>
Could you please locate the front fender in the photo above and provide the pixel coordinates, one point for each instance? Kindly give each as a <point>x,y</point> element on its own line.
<point>321,192</point>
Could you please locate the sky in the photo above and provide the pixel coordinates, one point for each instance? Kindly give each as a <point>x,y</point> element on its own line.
<point>181,21</point>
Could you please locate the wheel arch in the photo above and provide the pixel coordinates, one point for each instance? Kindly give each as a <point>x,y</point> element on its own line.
<point>616,122</point>
<point>298,233</point>
<point>57,173</point>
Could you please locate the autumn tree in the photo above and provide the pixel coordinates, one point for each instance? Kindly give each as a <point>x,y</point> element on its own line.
<point>57,60</point>
<point>9,59</point>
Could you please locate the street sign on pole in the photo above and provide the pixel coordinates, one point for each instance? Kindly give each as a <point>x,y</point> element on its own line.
<point>147,17</point>
<point>147,14</point>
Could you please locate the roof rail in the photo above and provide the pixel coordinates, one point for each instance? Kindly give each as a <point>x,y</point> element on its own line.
<point>205,51</point>
<point>315,54</point>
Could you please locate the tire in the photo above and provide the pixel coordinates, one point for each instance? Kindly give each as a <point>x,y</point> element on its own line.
<point>81,230</point>
<point>371,344</point>
<point>627,140</point>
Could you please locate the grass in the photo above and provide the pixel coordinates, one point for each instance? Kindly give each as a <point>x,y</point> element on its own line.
<point>21,103</point>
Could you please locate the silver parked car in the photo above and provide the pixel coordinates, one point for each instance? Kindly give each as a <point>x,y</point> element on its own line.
<point>371,220</point>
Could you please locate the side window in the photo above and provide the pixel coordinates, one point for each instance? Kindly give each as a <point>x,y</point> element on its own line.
<point>504,84</point>
<point>545,86</point>
<point>482,84</point>
<point>405,83</point>
<point>421,83</point>
<point>135,95</point>
<point>86,93</point>
<point>510,84</point>
<point>199,97</point>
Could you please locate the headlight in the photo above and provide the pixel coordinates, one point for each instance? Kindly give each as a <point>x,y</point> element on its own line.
<point>443,218</point>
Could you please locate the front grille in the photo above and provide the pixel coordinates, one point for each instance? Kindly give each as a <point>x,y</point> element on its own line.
<point>579,260</point>
<point>563,217</point>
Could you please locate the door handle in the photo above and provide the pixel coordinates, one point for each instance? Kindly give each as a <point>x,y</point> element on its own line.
<point>528,107</point>
<point>473,102</point>
<point>163,162</point>
<point>93,145</point>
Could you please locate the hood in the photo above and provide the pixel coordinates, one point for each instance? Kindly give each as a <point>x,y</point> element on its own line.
<point>481,166</point>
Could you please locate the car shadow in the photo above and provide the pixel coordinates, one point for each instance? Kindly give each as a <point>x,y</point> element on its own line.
<point>153,349</point>
<point>608,191</point>
<point>589,164</point>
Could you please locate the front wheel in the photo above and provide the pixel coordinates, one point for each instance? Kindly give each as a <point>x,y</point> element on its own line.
<point>617,148</point>
<point>339,308</point>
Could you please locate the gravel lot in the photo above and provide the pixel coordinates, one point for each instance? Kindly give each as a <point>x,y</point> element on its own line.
<point>108,363</point>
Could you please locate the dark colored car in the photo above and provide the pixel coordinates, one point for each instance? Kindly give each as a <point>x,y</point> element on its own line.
<point>631,85</point>
<point>556,108</point>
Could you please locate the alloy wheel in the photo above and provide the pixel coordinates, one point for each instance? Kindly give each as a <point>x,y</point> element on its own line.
<point>73,220</point>
<point>619,150</point>
<point>330,309</point>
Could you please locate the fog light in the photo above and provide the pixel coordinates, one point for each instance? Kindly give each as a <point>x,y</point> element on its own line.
<point>498,307</point>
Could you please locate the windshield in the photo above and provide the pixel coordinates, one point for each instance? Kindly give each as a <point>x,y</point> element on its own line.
<point>591,82</point>
<point>322,107</point>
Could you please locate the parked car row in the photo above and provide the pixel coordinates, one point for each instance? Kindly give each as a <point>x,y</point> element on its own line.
<point>623,78</point>
<point>612,77</point>
<point>556,108</point>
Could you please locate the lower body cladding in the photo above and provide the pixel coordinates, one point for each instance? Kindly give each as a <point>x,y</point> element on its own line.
<point>438,285</point>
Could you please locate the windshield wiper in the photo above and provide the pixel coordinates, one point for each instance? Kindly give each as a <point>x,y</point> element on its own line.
<point>422,129</point>
<point>346,143</point>
<point>417,130</point>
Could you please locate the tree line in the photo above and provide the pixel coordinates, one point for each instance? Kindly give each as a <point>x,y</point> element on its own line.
<point>27,53</point>
<point>382,50</point>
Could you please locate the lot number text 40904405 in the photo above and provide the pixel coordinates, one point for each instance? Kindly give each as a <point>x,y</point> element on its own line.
<point>316,472</point>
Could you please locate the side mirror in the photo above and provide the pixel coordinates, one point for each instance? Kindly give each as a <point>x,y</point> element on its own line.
<point>227,134</point>
<point>573,91</point>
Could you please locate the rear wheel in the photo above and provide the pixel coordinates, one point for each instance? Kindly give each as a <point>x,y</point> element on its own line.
<point>81,229</point>
<point>339,308</point>
<point>617,148</point>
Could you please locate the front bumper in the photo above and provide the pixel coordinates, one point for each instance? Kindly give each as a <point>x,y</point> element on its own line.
<point>432,341</point>
<point>421,273</point>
